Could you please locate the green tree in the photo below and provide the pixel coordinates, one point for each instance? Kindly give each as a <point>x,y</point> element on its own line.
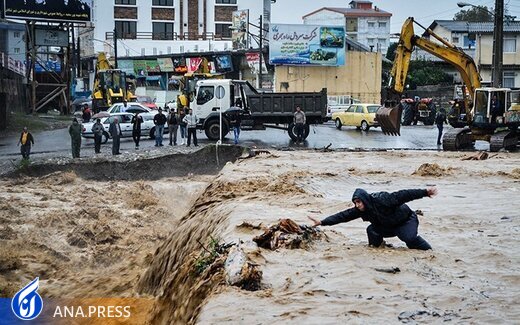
<point>422,73</point>
<point>474,14</point>
<point>390,53</point>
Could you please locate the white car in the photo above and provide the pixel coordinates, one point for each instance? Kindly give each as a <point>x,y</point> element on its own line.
<point>125,120</point>
<point>130,108</point>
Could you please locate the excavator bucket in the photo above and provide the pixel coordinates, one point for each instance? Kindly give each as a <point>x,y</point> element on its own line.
<point>389,118</point>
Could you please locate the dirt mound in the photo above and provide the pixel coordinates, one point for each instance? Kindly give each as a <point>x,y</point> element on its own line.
<point>209,160</point>
<point>432,170</point>
<point>515,173</point>
<point>283,185</point>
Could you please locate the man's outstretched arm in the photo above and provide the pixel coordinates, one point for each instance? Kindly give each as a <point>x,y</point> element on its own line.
<point>343,216</point>
<point>404,196</point>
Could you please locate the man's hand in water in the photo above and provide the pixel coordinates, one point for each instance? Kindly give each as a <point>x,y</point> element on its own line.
<point>432,191</point>
<point>315,222</point>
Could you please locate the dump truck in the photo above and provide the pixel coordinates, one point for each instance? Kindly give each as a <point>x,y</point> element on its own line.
<point>258,110</point>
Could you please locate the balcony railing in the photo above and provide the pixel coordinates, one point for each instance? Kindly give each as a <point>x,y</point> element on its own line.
<point>168,36</point>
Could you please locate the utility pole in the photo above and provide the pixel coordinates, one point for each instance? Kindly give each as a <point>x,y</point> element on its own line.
<point>115,48</point>
<point>498,44</point>
<point>261,28</point>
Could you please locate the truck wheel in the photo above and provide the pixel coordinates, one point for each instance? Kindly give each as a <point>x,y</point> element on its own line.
<point>407,115</point>
<point>213,127</point>
<point>364,126</point>
<point>292,132</point>
<point>105,138</point>
<point>338,124</point>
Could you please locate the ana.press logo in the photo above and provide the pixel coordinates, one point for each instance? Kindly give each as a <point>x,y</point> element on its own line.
<point>27,303</point>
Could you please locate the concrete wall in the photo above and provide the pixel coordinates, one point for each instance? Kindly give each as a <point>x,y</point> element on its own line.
<point>360,77</point>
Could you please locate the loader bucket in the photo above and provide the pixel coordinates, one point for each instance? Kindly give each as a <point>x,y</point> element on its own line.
<point>389,118</point>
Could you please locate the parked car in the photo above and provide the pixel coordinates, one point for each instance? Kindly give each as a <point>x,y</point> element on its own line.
<point>359,115</point>
<point>147,101</point>
<point>130,108</point>
<point>125,120</point>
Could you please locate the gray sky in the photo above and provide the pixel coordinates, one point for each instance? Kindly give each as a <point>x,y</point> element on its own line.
<point>424,11</point>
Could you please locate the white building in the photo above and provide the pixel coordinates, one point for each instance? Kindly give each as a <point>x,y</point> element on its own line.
<point>155,27</point>
<point>364,23</point>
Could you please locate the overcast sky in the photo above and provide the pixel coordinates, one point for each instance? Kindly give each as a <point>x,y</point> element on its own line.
<point>424,11</point>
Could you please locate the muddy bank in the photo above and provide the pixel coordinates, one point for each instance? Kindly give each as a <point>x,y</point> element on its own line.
<point>206,161</point>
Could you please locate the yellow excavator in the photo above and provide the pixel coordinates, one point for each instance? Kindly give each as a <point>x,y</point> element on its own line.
<point>110,86</point>
<point>496,124</point>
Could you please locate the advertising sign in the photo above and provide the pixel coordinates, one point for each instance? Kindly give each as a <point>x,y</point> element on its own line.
<point>51,37</point>
<point>223,63</point>
<point>165,64</point>
<point>57,10</point>
<point>306,45</point>
<point>193,64</point>
<point>253,61</point>
<point>240,29</point>
<point>152,66</point>
<point>140,68</point>
<point>127,66</point>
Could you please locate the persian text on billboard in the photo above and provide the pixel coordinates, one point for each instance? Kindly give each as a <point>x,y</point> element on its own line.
<point>62,10</point>
<point>306,45</point>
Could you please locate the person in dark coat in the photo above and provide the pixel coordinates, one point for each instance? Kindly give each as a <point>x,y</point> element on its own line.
<point>137,120</point>
<point>26,139</point>
<point>235,122</point>
<point>115,133</point>
<point>159,120</point>
<point>388,214</point>
<point>440,119</point>
<point>75,137</point>
<point>496,108</point>
<point>98,130</point>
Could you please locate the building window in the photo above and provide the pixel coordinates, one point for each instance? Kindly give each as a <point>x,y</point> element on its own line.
<point>370,41</point>
<point>455,40</point>
<point>162,31</point>
<point>126,29</point>
<point>16,34</point>
<point>162,2</point>
<point>509,45</point>
<point>371,24</point>
<point>382,24</point>
<point>381,42</point>
<point>234,2</point>
<point>16,50</point>
<point>352,25</point>
<point>125,2</point>
<point>223,30</point>
<point>509,79</point>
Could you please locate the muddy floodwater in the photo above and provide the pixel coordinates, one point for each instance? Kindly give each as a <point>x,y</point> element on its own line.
<point>117,237</point>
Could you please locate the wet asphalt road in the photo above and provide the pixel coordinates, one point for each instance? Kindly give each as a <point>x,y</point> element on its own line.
<point>56,143</point>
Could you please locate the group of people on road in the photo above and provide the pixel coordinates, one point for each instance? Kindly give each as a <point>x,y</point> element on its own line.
<point>177,119</point>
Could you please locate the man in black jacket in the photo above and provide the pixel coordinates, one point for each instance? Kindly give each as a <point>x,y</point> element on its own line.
<point>388,215</point>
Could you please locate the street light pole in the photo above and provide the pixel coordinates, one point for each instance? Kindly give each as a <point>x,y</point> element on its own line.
<point>498,44</point>
<point>115,48</point>
<point>261,52</point>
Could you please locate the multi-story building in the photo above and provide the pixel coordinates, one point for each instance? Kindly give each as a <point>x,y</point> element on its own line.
<point>157,27</point>
<point>12,40</point>
<point>364,23</point>
<point>476,39</point>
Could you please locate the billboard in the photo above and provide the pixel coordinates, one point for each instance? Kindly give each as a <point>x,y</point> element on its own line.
<point>306,45</point>
<point>51,37</point>
<point>59,10</point>
<point>240,29</point>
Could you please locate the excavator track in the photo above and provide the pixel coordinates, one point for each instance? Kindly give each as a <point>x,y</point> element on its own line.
<point>456,139</point>
<point>505,139</point>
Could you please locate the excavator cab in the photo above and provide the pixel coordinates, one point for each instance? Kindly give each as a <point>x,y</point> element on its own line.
<point>489,107</point>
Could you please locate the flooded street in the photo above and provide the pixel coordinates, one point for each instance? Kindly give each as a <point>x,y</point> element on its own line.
<point>142,238</point>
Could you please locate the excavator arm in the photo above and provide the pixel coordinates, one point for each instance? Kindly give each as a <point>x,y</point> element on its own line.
<point>389,117</point>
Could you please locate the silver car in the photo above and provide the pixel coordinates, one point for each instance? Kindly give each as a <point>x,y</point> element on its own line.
<point>125,121</point>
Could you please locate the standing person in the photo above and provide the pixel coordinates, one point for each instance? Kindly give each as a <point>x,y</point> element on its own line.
<point>86,114</point>
<point>26,139</point>
<point>173,126</point>
<point>98,130</point>
<point>115,133</point>
<point>299,123</point>
<point>125,106</point>
<point>191,122</point>
<point>75,137</point>
<point>388,214</point>
<point>496,108</point>
<point>137,120</point>
<point>440,119</point>
<point>235,124</point>
<point>182,124</point>
<point>159,120</point>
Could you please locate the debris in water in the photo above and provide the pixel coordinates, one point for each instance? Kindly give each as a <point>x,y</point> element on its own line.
<point>250,226</point>
<point>286,233</point>
<point>478,156</point>
<point>240,271</point>
<point>392,270</point>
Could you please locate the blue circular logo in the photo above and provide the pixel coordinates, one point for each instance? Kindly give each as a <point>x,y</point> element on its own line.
<point>27,303</point>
